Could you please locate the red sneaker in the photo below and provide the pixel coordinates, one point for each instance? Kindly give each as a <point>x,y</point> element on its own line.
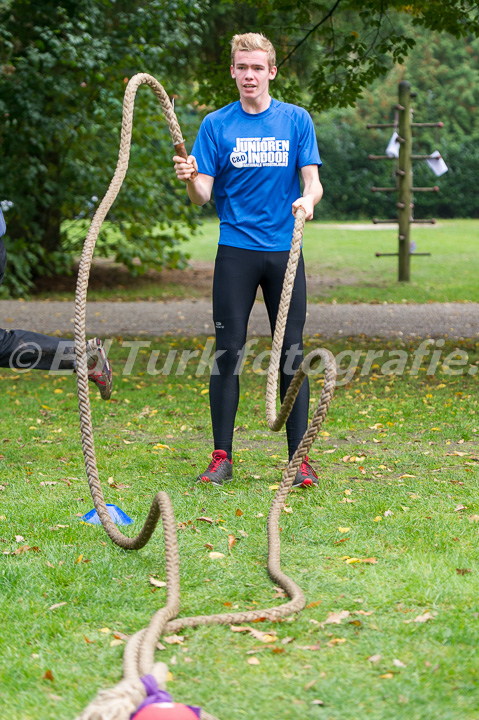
<point>219,469</point>
<point>305,477</point>
<point>99,368</point>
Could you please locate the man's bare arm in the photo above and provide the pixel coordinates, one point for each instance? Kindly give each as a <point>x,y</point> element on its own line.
<point>199,189</point>
<point>312,191</point>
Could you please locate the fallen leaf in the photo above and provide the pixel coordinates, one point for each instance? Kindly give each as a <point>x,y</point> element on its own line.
<point>343,529</point>
<point>48,676</point>
<point>271,487</point>
<point>205,519</point>
<point>421,618</point>
<point>24,549</point>
<point>335,641</point>
<point>116,641</point>
<point>463,571</point>
<point>216,555</point>
<point>460,507</point>
<point>231,542</point>
<point>374,658</point>
<point>398,663</point>
<point>87,640</point>
<point>57,605</point>
<point>336,618</point>
<point>317,702</point>
<point>105,630</point>
<point>208,546</point>
<point>79,559</point>
<point>473,518</point>
<point>313,604</point>
<point>267,637</point>
<point>311,684</point>
<point>239,512</point>
<point>387,676</point>
<point>253,661</point>
<point>173,639</point>
<point>157,583</point>
<point>19,538</point>
<point>406,476</point>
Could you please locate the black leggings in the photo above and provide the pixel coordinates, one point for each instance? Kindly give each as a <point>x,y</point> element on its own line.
<point>238,274</point>
<point>24,350</point>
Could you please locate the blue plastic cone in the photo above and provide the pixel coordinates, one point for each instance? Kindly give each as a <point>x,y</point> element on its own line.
<point>116,514</point>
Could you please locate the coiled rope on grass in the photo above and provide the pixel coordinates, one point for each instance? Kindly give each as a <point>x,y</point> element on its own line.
<point>120,701</point>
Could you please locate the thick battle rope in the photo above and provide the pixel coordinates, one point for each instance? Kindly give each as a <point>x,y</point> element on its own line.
<point>119,702</point>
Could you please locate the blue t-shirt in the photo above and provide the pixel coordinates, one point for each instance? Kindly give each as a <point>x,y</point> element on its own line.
<point>254,160</point>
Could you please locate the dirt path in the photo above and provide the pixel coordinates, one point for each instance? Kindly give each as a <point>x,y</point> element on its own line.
<point>193,317</point>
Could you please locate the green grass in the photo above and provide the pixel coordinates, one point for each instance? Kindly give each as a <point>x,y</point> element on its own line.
<point>345,260</point>
<point>340,263</point>
<point>397,456</point>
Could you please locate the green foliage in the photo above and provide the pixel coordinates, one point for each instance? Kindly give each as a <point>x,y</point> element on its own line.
<point>62,80</point>
<point>334,50</point>
<point>445,74</point>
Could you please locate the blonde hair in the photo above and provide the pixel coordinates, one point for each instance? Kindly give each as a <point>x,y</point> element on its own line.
<point>250,42</point>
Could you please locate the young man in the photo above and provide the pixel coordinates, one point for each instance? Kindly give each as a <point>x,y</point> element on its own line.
<point>24,350</point>
<point>250,153</point>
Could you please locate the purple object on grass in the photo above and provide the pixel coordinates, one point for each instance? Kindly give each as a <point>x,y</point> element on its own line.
<point>155,695</point>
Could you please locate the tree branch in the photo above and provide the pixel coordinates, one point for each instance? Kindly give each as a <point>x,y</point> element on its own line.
<point>313,29</point>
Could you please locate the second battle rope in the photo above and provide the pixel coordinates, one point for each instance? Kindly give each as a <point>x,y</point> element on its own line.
<point>120,702</point>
